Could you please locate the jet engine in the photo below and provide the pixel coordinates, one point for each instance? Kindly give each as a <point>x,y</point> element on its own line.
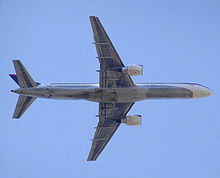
<point>132,120</point>
<point>133,69</point>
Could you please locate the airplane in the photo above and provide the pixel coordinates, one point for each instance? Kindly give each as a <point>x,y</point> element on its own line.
<point>116,92</point>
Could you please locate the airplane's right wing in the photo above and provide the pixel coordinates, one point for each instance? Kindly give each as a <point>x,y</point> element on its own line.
<point>108,58</point>
<point>110,115</point>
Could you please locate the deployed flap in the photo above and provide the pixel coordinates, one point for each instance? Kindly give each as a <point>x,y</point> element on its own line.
<point>23,103</point>
<point>110,115</point>
<point>108,58</point>
<point>24,78</point>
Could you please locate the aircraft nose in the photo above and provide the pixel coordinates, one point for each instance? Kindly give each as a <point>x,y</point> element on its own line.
<point>208,92</point>
<point>201,91</point>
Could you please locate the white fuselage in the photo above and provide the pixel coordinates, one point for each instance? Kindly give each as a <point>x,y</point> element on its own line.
<point>92,92</point>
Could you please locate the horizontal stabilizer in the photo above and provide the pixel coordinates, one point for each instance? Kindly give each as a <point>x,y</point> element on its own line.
<point>24,78</point>
<point>23,103</point>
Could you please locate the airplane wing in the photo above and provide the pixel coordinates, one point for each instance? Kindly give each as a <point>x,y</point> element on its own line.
<point>110,115</point>
<point>108,58</point>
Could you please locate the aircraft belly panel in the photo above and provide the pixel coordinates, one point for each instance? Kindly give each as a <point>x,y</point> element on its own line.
<point>131,94</point>
<point>169,92</point>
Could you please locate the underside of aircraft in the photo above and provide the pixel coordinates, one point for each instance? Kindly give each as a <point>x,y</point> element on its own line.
<point>116,92</point>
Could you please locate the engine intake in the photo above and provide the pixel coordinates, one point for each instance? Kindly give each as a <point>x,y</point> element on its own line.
<point>133,69</point>
<point>132,120</point>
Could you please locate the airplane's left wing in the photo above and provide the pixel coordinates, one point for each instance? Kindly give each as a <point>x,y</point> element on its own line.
<point>110,115</point>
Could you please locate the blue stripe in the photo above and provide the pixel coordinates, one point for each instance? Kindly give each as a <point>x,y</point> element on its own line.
<point>14,77</point>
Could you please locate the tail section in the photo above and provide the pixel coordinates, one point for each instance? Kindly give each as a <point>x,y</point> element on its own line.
<point>24,80</point>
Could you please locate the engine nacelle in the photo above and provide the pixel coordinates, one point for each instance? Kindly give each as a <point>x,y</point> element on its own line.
<point>132,120</point>
<point>133,69</point>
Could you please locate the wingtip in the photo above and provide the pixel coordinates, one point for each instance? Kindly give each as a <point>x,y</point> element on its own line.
<point>15,60</point>
<point>91,159</point>
<point>15,117</point>
<point>92,16</point>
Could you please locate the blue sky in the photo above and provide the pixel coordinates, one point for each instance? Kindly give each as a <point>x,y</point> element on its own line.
<point>176,41</point>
